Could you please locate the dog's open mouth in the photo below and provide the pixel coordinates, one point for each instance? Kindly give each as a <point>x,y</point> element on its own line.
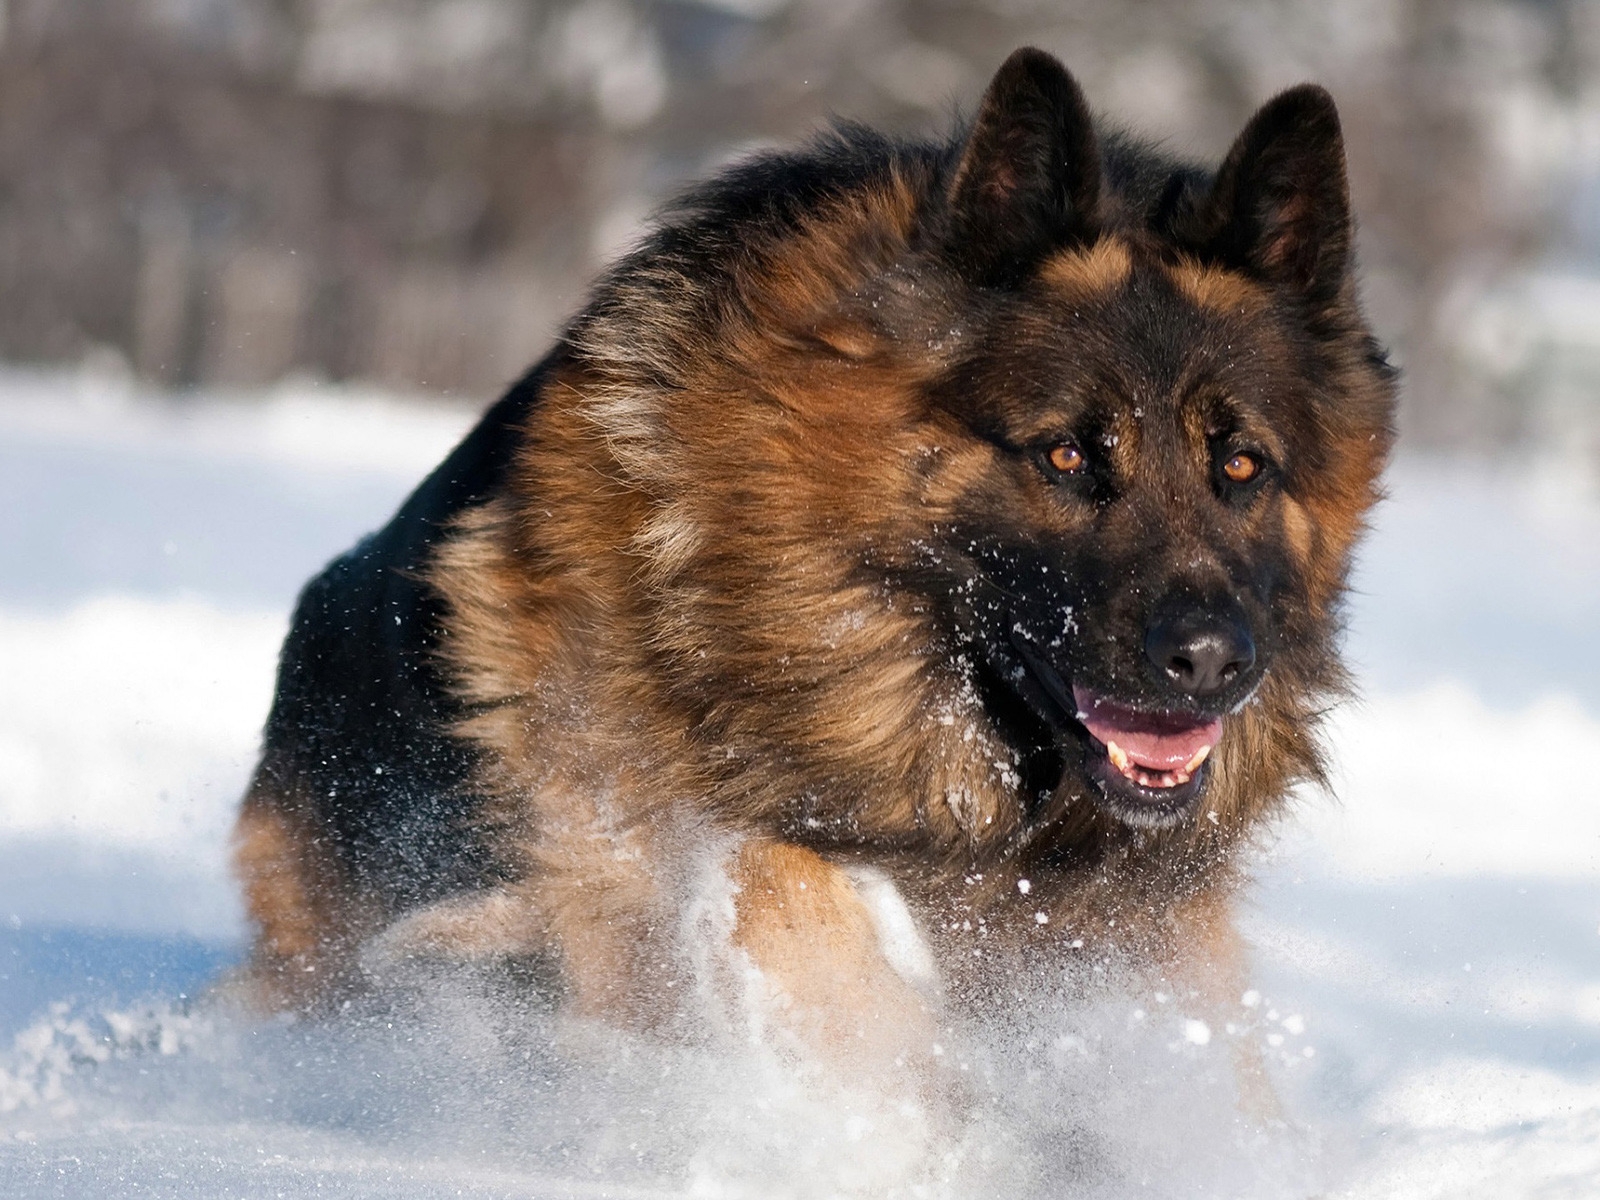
<point>1156,751</point>
<point>1159,750</point>
<point>1148,763</point>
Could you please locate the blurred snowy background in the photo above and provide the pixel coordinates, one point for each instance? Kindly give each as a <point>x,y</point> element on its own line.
<point>261,262</point>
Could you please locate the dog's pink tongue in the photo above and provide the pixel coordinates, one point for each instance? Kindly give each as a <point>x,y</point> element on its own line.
<point>1156,741</point>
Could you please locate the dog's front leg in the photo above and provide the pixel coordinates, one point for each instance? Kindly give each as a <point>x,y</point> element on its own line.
<point>1212,958</point>
<point>827,966</point>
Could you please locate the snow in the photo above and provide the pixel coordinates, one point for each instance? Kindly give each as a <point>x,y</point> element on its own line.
<point>1426,983</point>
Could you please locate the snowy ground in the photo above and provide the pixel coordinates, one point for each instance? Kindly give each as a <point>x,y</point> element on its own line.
<point>1427,948</point>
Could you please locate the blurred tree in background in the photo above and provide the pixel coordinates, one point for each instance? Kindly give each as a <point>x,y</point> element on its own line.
<point>416,192</point>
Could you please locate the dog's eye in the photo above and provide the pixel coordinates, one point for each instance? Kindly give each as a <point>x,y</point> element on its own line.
<point>1065,457</point>
<point>1241,468</point>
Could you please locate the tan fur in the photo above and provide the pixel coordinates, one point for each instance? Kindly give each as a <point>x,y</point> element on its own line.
<point>308,917</point>
<point>1298,529</point>
<point>1220,291</point>
<point>807,931</point>
<point>1102,267</point>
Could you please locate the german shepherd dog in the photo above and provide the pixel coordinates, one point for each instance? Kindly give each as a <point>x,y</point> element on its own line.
<point>918,564</point>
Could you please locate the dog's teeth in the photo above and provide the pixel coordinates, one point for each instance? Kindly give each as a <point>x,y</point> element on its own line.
<point>1145,777</point>
<point>1193,765</point>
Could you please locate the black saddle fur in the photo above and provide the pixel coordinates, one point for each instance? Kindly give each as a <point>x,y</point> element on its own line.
<point>357,728</point>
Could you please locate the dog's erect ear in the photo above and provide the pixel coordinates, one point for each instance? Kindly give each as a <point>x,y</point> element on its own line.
<point>1029,175</point>
<point>1280,206</point>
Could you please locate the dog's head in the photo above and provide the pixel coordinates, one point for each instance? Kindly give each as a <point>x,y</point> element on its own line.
<point>1032,438</point>
<point>1157,441</point>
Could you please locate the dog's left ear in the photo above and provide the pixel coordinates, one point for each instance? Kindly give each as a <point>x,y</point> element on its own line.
<point>1029,175</point>
<point>1280,205</point>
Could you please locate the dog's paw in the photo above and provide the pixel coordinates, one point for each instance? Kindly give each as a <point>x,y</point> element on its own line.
<point>463,929</point>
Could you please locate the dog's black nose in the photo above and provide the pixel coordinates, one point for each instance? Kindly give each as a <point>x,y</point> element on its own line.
<point>1200,651</point>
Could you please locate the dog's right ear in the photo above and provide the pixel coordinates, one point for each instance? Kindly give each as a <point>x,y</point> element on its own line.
<point>1280,205</point>
<point>1029,175</point>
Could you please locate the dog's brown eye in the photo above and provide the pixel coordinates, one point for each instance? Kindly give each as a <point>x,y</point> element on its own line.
<point>1066,458</point>
<point>1241,468</point>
